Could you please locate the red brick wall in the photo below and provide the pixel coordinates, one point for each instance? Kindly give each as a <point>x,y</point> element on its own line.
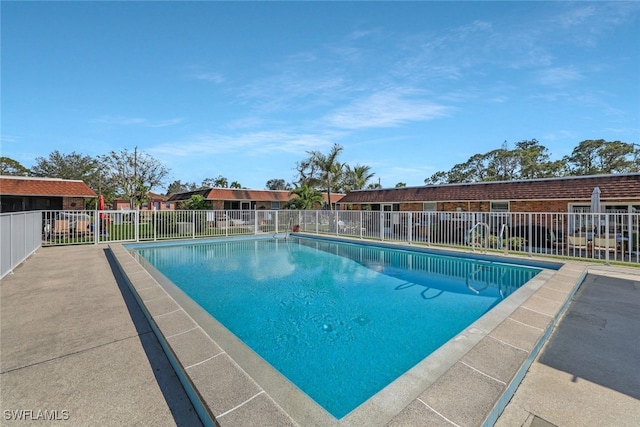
<point>414,207</point>
<point>464,206</point>
<point>539,206</point>
<point>72,203</point>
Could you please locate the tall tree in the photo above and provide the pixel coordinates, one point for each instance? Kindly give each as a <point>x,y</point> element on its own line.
<point>618,157</point>
<point>179,187</point>
<point>322,170</point>
<point>502,165</point>
<point>65,166</point>
<point>11,167</point>
<point>221,182</point>
<point>134,173</point>
<point>583,158</point>
<point>534,160</point>
<point>277,184</point>
<point>439,177</point>
<point>76,166</point>
<point>235,184</point>
<point>357,178</point>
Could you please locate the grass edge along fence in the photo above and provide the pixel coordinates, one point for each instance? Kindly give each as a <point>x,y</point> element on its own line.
<point>610,237</point>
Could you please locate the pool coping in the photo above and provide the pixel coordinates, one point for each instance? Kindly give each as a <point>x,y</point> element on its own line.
<point>468,381</point>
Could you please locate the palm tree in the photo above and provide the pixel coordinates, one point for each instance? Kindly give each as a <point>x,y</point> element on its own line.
<point>329,169</point>
<point>221,182</point>
<point>308,198</point>
<point>358,177</point>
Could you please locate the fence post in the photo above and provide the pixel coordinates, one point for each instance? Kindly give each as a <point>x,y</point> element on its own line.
<point>606,233</point>
<point>255,220</point>
<point>531,234</point>
<point>96,224</point>
<point>193,224</point>
<point>136,229</point>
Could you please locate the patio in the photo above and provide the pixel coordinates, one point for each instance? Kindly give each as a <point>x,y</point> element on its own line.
<point>87,352</point>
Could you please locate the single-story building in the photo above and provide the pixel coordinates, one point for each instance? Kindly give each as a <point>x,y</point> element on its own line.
<point>21,193</point>
<point>155,202</point>
<point>509,202</point>
<point>618,193</point>
<point>246,199</point>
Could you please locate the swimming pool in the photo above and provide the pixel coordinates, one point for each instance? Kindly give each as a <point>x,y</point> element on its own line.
<point>340,320</point>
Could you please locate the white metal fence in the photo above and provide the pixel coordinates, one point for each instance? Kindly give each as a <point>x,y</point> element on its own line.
<point>19,238</point>
<point>613,236</point>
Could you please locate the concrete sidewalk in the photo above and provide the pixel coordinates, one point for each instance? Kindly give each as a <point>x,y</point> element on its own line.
<point>588,373</point>
<point>75,347</point>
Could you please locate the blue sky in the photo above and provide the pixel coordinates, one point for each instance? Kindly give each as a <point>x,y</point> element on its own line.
<point>246,89</point>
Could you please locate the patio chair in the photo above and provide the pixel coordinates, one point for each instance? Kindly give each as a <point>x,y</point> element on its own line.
<point>60,227</point>
<point>83,227</point>
<point>605,243</point>
<point>577,242</point>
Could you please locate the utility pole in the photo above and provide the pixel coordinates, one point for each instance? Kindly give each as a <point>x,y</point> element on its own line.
<point>135,174</point>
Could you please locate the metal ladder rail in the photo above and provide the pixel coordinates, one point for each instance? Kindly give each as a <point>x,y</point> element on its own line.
<point>504,242</point>
<point>471,237</point>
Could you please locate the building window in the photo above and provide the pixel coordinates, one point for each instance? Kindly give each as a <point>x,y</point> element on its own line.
<point>275,205</point>
<point>430,206</point>
<point>499,206</point>
<point>167,205</point>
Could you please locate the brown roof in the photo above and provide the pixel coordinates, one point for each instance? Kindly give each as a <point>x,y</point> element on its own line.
<point>156,197</point>
<point>187,195</point>
<point>29,186</point>
<point>246,195</point>
<point>619,187</point>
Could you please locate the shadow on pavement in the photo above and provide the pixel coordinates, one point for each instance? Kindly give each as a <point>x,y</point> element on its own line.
<point>598,339</point>
<point>172,390</point>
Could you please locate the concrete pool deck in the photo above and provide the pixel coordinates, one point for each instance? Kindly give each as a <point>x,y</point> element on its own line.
<point>73,339</point>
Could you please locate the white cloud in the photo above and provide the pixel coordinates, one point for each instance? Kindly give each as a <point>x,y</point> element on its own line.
<point>131,121</point>
<point>577,16</point>
<point>8,139</point>
<point>165,123</point>
<point>210,77</point>
<point>120,120</point>
<point>248,144</point>
<point>386,109</point>
<point>559,76</point>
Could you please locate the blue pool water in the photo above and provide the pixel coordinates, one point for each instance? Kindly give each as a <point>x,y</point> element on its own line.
<point>339,320</point>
